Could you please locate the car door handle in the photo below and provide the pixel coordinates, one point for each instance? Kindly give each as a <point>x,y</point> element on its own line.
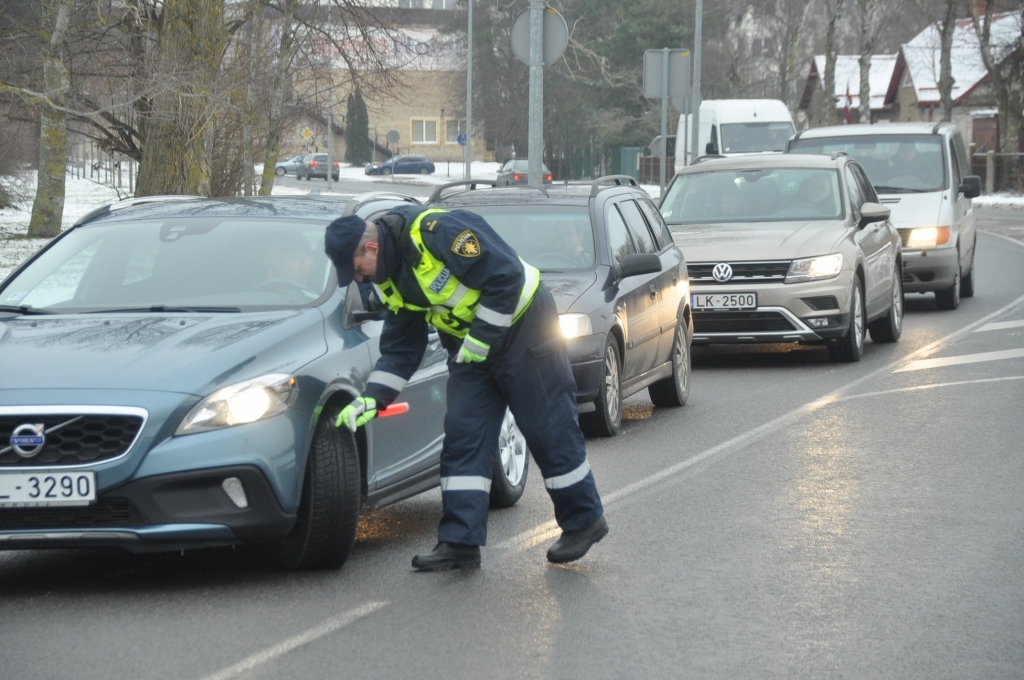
<point>654,292</point>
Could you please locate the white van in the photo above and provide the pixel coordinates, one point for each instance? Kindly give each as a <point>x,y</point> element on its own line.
<point>732,127</point>
<point>921,171</point>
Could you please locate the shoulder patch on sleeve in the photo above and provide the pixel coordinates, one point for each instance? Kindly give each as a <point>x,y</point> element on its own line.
<point>466,244</point>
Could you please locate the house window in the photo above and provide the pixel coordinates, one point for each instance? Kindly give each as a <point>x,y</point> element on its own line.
<point>452,130</point>
<point>424,131</point>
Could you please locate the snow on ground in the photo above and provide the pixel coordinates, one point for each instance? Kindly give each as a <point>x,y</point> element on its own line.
<point>80,196</point>
<point>1000,200</point>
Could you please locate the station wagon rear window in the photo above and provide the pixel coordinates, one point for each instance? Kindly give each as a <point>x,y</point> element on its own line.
<point>551,238</point>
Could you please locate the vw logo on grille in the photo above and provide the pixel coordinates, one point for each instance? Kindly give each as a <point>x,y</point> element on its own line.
<point>722,272</point>
<point>27,440</point>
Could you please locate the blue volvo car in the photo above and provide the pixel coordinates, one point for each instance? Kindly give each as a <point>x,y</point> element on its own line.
<point>170,371</point>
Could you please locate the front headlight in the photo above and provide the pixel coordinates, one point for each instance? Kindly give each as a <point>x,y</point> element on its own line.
<point>575,325</point>
<point>815,268</point>
<point>928,237</point>
<point>241,403</point>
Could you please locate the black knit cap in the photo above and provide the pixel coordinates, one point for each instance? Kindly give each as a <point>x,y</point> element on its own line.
<point>343,236</point>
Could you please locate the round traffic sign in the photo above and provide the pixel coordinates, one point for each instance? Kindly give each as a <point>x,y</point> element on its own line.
<point>556,36</point>
<point>393,136</point>
<point>461,138</point>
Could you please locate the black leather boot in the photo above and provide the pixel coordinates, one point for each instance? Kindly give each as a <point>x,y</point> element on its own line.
<point>448,556</point>
<point>575,544</point>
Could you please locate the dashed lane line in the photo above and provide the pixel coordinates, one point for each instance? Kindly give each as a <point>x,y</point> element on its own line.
<point>293,643</point>
<point>958,360</point>
<point>1001,326</point>
<point>548,530</point>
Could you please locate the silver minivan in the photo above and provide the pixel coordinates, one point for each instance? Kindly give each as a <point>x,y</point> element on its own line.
<point>920,171</point>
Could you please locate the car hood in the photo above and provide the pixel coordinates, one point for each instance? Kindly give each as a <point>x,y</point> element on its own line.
<point>745,241</point>
<point>567,287</point>
<point>188,353</point>
<point>913,210</point>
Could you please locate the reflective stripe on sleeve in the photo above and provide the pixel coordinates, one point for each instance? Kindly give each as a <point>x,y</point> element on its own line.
<point>456,297</point>
<point>494,318</point>
<point>569,478</point>
<point>529,288</point>
<point>466,484</point>
<point>387,380</point>
<point>475,347</point>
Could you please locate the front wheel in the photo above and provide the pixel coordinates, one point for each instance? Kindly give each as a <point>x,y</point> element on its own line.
<point>890,327</point>
<point>386,171</point>
<point>424,171</point>
<point>675,389</point>
<point>967,283</point>
<point>949,298</point>
<point>511,464</point>
<point>325,529</point>
<point>851,347</point>
<point>279,172</point>
<point>606,418</point>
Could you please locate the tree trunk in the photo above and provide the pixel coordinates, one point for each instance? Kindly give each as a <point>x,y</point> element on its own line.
<point>176,156</point>
<point>867,46</point>
<point>945,59</point>
<point>831,113</point>
<point>284,58</point>
<point>1001,75</point>
<point>250,96</point>
<point>48,206</point>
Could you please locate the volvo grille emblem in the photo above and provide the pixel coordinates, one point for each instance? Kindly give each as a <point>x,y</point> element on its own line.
<point>27,440</point>
<point>722,272</point>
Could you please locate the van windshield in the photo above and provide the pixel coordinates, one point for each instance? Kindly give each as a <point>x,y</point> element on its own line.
<point>755,137</point>
<point>896,164</point>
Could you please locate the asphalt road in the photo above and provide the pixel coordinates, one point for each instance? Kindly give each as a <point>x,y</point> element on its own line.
<point>797,518</point>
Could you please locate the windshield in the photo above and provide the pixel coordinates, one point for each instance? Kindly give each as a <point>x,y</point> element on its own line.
<point>184,262</point>
<point>551,238</point>
<point>768,195</point>
<point>755,137</point>
<point>895,163</point>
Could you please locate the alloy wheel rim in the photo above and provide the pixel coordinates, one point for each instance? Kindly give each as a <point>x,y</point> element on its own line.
<point>611,383</point>
<point>682,375</point>
<point>897,302</point>
<point>512,446</point>
<point>858,319</point>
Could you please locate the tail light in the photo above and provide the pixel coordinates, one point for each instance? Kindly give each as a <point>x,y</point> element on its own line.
<point>313,164</point>
<point>337,165</point>
<point>547,177</point>
<point>518,177</point>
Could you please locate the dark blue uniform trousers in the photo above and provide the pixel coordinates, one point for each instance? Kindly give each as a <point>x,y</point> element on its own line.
<point>532,376</point>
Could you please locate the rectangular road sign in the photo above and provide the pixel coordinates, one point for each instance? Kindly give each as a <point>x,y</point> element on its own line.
<point>678,76</point>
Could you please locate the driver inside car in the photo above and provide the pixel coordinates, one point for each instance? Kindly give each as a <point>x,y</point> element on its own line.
<point>288,266</point>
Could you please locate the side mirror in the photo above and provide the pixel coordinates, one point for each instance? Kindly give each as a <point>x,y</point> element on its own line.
<point>710,149</point>
<point>970,187</point>
<point>638,264</point>
<point>873,212</point>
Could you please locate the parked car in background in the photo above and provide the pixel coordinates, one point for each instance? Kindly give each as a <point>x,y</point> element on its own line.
<point>288,167</point>
<point>515,172</point>
<point>172,370</point>
<point>921,171</point>
<point>729,127</point>
<point>315,165</point>
<point>787,248</point>
<point>618,280</point>
<point>402,165</point>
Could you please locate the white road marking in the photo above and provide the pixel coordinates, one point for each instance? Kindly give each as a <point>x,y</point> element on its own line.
<point>543,532</point>
<point>1001,326</point>
<point>929,386</point>
<point>292,643</point>
<point>941,362</point>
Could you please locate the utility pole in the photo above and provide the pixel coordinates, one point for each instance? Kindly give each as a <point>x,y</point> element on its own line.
<point>469,96</point>
<point>535,165</point>
<point>695,97</point>
<point>330,150</point>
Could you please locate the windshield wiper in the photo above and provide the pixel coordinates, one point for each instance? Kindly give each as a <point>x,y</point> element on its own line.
<point>165,308</point>
<point>24,309</point>
<point>881,188</point>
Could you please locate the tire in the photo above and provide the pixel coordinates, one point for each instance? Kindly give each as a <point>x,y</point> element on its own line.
<point>279,172</point>
<point>606,419</point>
<point>298,175</point>
<point>424,171</point>
<point>851,347</point>
<point>967,282</point>
<point>949,298</point>
<point>511,465</point>
<point>890,327</point>
<point>386,171</point>
<point>325,529</point>
<point>675,390</point>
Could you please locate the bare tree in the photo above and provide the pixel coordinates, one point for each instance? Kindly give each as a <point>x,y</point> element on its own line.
<point>872,12</point>
<point>946,27</point>
<point>1003,61</point>
<point>833,13</point>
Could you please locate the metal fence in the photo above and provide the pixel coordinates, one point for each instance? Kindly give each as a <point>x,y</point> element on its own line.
<point>590,163</point>
<point>999,171</point>
<point>88,161</point>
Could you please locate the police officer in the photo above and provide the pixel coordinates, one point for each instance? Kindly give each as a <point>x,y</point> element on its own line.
<point>500,327</point>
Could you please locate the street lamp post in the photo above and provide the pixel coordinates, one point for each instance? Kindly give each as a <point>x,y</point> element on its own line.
<point>469,95</point>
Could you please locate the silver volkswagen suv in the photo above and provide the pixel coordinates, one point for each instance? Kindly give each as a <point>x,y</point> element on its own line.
<point>787,249</point>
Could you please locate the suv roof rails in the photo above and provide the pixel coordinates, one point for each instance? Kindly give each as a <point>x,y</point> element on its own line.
<point>706,157</point>
<point>131,203</point>
<point>355,202</point>
<point>614,180</point>
<point>935,129</point>
<point>471,183</point>
<point>836,154</point>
